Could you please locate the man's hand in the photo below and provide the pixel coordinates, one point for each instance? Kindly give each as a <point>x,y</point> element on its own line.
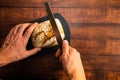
<point>14,47</point>
<point>71,61</point>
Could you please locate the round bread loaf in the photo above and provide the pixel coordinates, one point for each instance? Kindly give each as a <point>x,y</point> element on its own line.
<point>43,35</point>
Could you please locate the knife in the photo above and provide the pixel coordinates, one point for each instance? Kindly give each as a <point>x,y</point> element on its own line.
<point>54,25</point>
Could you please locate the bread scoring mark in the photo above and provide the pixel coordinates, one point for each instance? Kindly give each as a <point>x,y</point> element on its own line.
<point>51,44</point>
<point>44,34</point>
<point>47,34</point>
<point>37,34</point>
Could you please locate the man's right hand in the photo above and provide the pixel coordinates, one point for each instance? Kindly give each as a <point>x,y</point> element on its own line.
<point>71,61</point>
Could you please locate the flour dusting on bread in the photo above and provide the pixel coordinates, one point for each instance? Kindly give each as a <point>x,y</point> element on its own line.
<point>43,35</point>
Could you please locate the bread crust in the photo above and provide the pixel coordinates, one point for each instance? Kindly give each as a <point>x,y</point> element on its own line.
<point>43,36</point>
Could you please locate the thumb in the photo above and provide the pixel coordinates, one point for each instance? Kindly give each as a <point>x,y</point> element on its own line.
<point>34,51</point>
<point>65,47</point>
<point>57,54</point>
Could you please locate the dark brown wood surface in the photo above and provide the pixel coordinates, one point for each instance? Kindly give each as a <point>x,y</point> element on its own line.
<point>95,33</point>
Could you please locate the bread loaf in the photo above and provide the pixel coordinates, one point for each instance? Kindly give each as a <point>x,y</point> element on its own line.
<point>43,36</point>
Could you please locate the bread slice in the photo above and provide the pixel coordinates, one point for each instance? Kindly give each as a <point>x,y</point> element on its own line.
<point>43,35</point>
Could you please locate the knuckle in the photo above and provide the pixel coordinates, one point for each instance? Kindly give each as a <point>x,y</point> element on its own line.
<point>64,46</point>
<point>18,25</point>
<point>78,53</point>
<point>22,26</point>
<point>19,35</point>
<point>73,50</point>
<point>66,55</point>
<point>30,29</point>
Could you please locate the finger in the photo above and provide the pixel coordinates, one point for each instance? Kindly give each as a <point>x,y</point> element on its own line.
<point>57,53</point>
<point>16,28</point>
<point>30,30</point>
<point>19,28</point>
<point>60,59</point>
<point>22,27</point>
<point>72,50</point>
<point>65,47</point>
<point>78,53</point>
<point>34,51</point>
<point>11,31</point>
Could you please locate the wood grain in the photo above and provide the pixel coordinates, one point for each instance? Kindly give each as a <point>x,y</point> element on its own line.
<point>53,70</point>
<point>82,15</point>
<point>28,70</point>
<point>61,3</point>
<point>98,75</point>
<point>95,33</point>
<point>80,30</point>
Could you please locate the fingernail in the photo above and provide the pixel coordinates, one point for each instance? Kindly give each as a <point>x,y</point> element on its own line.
<point>65,42</point>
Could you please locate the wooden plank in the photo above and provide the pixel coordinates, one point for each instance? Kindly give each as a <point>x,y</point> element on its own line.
<point>80,30</point>
<point>90,75</point>
<point>87,39</point>
<point>61,3</point>
<point>97,47</point>
<point>101,62</point>
<point>41,68</point>
<point>102,75</point>
<point>93,47</point>
<point>8,15</point>
<point>46,66</point>
<point>96,39</point>
<point>41,63</point>
<point>72,15</point>
<point>4,29</point>
<point>99,31</point>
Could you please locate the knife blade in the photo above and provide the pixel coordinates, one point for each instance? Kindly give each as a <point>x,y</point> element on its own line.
<point>54,25</point>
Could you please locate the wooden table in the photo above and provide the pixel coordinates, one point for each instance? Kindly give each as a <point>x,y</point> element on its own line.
<point>95,33</point>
